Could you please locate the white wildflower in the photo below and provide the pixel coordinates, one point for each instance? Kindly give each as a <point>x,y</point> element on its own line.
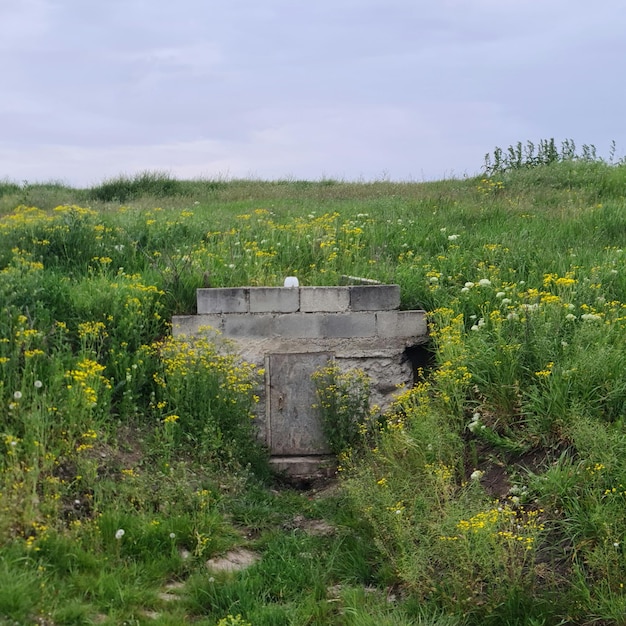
<point>476,475</point>
<point>17,395</point>
<point>119,533</point>
<point>484,282</point>
<point>590,317</point>
<point>474,425</point>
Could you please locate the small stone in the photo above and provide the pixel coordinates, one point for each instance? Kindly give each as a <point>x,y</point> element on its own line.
<point>167,597</point>
<point>233,561</point>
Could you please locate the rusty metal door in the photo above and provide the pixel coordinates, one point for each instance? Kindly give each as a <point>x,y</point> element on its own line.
<point>293,426</point>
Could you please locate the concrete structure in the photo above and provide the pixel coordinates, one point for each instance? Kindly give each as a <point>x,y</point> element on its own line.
<point>293,331</point>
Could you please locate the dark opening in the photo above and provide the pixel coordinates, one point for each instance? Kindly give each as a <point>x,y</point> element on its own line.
<point>422,360</point>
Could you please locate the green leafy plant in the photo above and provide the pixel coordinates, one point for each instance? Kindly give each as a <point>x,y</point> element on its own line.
<point>546,152</point>
<point>344,405</point>
<point>233,620</point>
<point>204,399</point>
<point>124,188</point>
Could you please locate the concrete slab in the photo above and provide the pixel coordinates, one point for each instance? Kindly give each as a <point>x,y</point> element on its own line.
<point>348,325</point>
<point>374,297</point>
<point>274,299</point>
<point>193,324</point>
<point>257,325</point>
<point>410,324</point>
<point>299,325</point>
<point>324,299</point>
<point>305,467</point>
<point>223,300</point>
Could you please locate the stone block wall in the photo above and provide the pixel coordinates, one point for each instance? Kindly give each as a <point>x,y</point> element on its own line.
<point>298,299</point>
<point>289,331</point>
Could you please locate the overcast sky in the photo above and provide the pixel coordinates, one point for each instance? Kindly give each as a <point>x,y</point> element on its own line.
<point>347,89</point>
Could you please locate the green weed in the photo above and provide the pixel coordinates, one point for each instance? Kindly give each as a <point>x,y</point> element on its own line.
<point>344,405</point>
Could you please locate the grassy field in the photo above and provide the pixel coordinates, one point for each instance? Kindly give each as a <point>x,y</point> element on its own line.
<point>492,492</point>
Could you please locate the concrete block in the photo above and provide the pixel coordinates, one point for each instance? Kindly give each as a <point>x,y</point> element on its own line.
<point>305,467</point>
<point>195,324</point>
<point>183,325</point>
<point>402,324</point>
<point>258,325</point>
<point>374,297</point>
<point>329,299</point>
<point>299,325</point>
<point>274,299</point>
<point>223,300</point>
<point>348,325</point>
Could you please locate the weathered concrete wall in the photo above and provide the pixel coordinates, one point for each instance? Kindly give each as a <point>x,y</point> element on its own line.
<point>290,331</point>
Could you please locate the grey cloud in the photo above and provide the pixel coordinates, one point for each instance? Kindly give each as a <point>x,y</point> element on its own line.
<point>346,88</point>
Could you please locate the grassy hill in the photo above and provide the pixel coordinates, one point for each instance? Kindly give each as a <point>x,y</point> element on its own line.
<point>493,491</point>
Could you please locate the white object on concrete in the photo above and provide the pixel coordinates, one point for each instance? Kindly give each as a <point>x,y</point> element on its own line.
<point>292,281</point>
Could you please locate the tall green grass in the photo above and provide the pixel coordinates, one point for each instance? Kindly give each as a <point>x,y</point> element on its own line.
<point>491,492</point>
